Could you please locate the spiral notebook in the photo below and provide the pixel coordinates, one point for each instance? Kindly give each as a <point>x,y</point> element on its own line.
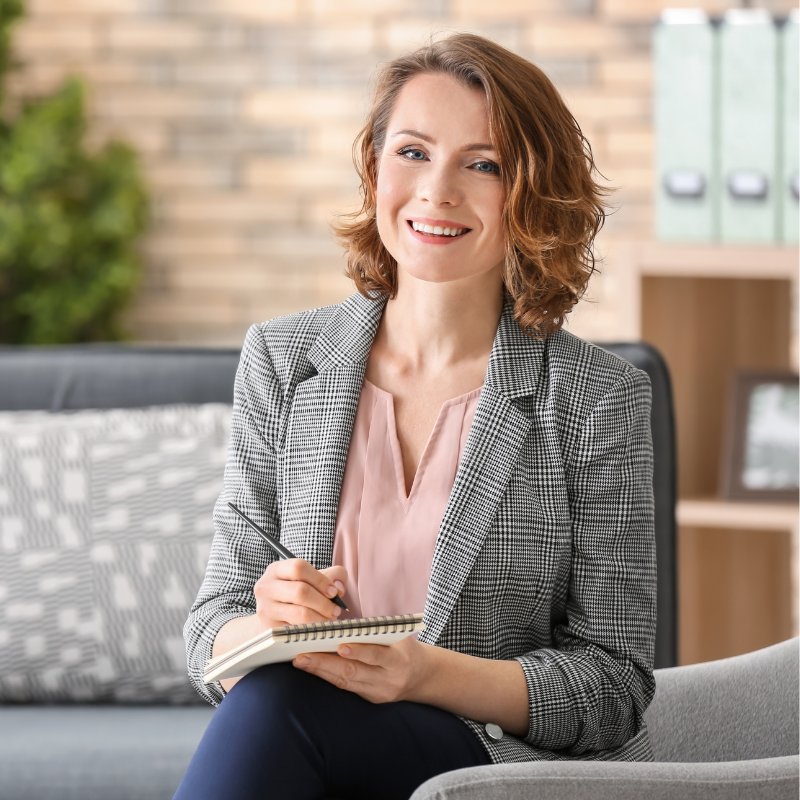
<point>283,644</point>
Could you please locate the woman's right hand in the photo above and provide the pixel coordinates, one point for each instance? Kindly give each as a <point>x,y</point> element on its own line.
<point>292,592</point>
<point>289,592</point>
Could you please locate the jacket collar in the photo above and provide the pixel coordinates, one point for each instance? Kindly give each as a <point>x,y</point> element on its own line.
<point>347,337</point>
<point>516,358</point>
<point>346,340</point>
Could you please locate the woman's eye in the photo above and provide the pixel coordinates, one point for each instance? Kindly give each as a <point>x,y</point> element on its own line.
<point>412,153</point>
<point>488,167</point>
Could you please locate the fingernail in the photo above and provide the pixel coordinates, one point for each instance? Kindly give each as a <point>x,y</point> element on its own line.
<point>302,661</point>
<point>336,611</point>
<point>345,650</point>
<point>331,591</point>
<point>339,586</point>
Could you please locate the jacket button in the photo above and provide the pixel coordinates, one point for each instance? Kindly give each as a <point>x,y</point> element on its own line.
<point>493,731</point>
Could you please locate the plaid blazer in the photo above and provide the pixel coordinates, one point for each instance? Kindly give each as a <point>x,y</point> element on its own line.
<point>546,551</point>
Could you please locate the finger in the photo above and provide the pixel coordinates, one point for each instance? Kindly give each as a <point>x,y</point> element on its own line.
<point>296,569</point>
<point>338,575</point>
<point>275,613</point>
<point>375,655</point>
<point>289,614</point>
<point>300,571</point>
<point>304,598</point>
<point>350,675</point>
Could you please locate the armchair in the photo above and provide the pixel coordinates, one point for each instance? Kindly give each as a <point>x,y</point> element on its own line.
<point>724,729</point>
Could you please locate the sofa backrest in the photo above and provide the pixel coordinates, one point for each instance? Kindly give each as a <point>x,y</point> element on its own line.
<point>113,376</point>
<point>735,709</point>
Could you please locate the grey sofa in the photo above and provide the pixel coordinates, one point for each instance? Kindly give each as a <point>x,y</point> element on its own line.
<point>118,749</point>
<point>105,750</point>
<point>726,730</point>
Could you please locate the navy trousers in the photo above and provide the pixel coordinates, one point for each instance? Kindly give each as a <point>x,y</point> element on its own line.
<point>283,734</point>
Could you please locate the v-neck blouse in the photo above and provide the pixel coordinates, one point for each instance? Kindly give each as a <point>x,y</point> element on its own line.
<point>385,538</point>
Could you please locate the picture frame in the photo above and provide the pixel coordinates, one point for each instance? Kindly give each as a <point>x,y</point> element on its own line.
<point>761,441</point>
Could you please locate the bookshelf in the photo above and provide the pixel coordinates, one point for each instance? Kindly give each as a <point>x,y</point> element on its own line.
<point>712,310</point>
<point>765,518</point>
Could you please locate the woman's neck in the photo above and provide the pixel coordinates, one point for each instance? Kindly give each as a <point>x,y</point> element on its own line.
<point>434,326</point>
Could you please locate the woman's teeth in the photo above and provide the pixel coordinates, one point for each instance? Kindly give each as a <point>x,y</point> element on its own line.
<point>435,230</point>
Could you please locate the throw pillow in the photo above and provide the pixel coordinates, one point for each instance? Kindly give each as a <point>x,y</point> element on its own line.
<point>105,530</point>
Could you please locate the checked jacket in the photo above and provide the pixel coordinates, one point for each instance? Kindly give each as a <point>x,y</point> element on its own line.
<point>545,553</point>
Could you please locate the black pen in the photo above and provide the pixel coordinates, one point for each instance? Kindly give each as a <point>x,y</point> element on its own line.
<point>279,548</point>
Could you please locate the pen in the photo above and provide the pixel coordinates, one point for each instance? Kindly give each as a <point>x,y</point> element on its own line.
<point>278,547</point>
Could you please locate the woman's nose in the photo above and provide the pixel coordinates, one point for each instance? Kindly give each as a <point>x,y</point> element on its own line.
<point>439,185</point>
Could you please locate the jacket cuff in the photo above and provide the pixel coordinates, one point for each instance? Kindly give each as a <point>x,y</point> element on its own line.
<point>201,654</point>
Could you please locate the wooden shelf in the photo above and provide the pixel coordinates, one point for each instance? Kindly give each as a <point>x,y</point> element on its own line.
<point>743,516</point>
<point>713,513</point>
<point>718,261</point>
<point>714,260</point>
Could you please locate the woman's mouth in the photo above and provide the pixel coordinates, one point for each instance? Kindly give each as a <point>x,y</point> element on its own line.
<point>437,231</point>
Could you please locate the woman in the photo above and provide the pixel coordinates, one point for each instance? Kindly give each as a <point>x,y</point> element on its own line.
<point>439,441</point>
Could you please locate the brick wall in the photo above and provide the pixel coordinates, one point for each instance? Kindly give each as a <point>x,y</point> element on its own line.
<point>245,110</point>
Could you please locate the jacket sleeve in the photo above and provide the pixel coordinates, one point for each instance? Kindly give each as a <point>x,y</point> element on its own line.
<point>238,558</point>
<point>590,691</point>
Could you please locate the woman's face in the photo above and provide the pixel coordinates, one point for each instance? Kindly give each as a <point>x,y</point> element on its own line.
<point>438,169</point>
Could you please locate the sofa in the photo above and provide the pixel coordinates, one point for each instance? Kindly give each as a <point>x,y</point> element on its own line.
<point>111,457</point>
<point>726,730</point>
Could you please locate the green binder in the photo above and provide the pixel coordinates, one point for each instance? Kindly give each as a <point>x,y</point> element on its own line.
<point>790,130</point>
<point>686,181</point>
<point>748,126</point>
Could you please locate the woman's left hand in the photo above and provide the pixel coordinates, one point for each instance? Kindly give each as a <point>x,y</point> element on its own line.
<point>378,673</point>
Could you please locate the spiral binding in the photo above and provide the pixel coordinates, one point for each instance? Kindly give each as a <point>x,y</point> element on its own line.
<point>347,628</point>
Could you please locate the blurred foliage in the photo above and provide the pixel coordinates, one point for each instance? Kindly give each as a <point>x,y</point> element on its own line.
<point>69,218</point>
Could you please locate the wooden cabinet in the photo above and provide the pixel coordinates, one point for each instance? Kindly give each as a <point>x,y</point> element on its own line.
<point>712,310</point>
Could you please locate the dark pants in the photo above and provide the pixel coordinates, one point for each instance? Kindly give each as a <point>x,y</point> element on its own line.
<point>282,733</point>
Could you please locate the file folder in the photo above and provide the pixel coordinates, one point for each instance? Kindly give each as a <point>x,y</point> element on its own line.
<point>748,73</point>
<point>687,183</point>
<point>790,129</point>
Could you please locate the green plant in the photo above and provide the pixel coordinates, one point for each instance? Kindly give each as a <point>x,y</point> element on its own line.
<point>69,218</point>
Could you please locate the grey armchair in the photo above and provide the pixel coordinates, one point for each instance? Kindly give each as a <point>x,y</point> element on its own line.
<point>726,730</point>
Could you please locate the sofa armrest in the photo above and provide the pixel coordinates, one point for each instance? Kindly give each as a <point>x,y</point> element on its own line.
<point>767,779</point>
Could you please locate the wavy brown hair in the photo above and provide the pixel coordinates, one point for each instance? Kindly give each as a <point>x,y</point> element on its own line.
<point>554,207</point>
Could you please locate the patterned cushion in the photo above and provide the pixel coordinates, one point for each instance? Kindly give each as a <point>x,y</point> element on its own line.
<point>105,529</point>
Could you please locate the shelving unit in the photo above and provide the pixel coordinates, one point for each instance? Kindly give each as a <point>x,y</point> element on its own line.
<point>716,261</point>
<point>713,513</point>
<point>712,310</point>
<point>767,518</point>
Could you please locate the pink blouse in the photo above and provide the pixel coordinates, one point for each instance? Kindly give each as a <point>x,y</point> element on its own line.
<point>385,538</point>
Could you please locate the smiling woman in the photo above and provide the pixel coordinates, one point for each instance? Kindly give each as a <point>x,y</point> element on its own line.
<point>433,164</point>
<point>437,443</point>
<point>520,135</point>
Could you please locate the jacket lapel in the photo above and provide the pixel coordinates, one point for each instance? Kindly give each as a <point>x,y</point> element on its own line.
<point>321,425</point>
<point>492,449</point>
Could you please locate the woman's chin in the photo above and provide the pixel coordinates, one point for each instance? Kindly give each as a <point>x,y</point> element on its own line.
<point>428,273</point>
